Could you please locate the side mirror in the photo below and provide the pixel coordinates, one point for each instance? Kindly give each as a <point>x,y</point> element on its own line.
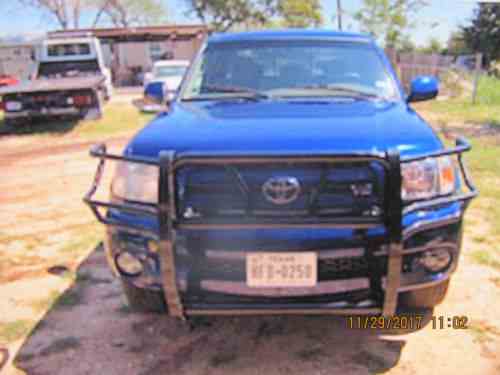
<point>423,88</point>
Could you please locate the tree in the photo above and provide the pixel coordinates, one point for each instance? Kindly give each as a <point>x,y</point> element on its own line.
<point>388,20</point>
<point>223,15</point>
<point>65,12</point>
<point>483,34</point>
<point>126,13</point>
<point>300,13</point>
<point>406,45</point>
<point>433,46</point>
<point>68,13</point>
<point>456,44</point>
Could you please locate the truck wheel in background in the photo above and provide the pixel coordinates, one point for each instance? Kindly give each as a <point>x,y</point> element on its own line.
<point>425,297</point>
<point>143,300</point>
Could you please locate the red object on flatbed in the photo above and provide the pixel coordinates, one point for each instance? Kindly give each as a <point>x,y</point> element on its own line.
<point>8,81</point>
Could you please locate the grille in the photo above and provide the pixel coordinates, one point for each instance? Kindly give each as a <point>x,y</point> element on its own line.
<point>326,190</point>
<point>328,269</point>
<point>343,267</point>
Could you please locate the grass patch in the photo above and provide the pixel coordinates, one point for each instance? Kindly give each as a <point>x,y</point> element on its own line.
<point>13,331</point>
<point>72,297</point>
<point>460,110</point>
<point>117,118</point>
<point>483,332</point>
<point>83,240</point>
<point>489,90</point>
<point>46,303</point>
<point>486,258</point>
<point>484,164</point>
<point>486,110</point>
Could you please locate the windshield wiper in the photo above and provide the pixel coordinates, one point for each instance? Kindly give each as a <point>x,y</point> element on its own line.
<point>246,91</point>
<point>344,90</point>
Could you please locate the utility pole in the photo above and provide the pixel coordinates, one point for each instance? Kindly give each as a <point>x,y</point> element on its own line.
<point>339,14</point>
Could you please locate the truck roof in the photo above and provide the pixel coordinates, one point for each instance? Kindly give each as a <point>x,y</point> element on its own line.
<point>72,40</point>
<point>290,34</point>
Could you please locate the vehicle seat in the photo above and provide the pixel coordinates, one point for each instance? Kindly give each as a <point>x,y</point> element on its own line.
<point>245,73</point>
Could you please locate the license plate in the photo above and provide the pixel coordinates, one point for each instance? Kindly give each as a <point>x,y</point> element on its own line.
<point>281,269</point>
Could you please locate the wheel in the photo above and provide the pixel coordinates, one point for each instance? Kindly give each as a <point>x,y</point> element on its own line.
<point>425,297</point>
<point>143,300</point>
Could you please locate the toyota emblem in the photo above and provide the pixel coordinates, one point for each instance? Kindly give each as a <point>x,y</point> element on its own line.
<point>281,190</point>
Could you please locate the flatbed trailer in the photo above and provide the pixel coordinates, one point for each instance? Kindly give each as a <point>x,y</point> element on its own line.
<point>70,80</point>
<point>67,97</point>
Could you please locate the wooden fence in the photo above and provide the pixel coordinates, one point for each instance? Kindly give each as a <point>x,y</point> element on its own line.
<point>453,81</point>
<point>410,65</point>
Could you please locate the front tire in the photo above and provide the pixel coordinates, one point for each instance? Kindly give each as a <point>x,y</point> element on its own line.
<point>425,297</point>
<point>144,300</point>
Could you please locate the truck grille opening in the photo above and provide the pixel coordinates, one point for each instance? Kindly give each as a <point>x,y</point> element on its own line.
<point>253,190</point>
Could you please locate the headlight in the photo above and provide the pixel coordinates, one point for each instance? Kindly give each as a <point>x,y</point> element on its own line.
<point>128,264</point>
<point>135,182</point>
<point>436,260</point>
<point>427,178</point>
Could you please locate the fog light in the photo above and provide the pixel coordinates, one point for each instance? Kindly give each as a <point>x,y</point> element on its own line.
<point>435,260</point>
<point>128,264</point>
<point>153,246</point>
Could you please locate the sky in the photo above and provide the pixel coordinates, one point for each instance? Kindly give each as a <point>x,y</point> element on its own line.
<point>437,20</point>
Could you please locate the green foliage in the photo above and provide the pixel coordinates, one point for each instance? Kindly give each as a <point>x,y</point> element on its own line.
<point>456,44</point>
<point>433,46</point>
<point>15,330</point>
<point>483,34</point>
<point>223,15</point>
<point>489,90</point>
<point>388,20</point>
<point>126,13</point>
<point>406,45</point>
<point>299,13</point>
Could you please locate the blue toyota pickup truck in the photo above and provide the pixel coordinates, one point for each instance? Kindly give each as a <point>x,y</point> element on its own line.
<point>289,176</point>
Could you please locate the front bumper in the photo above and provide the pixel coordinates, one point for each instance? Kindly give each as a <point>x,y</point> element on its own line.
<point>190,276</point>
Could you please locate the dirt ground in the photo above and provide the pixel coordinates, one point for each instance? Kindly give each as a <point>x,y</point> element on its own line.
<point>55,286</point>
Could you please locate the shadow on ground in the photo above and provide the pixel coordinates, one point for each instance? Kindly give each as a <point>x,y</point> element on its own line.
<point>91,330</point>
<point>57,126</point>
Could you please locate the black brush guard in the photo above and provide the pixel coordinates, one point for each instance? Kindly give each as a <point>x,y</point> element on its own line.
<point>169,222</point>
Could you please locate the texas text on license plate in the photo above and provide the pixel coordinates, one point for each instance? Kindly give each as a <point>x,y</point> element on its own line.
<point>281,269</point>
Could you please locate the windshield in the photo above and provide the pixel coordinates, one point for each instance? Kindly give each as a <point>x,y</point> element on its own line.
<point>290,69</point>
<point>169,71</point>
<point>62,69</point>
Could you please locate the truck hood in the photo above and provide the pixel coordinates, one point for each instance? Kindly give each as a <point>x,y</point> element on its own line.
<point>286,126</point>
